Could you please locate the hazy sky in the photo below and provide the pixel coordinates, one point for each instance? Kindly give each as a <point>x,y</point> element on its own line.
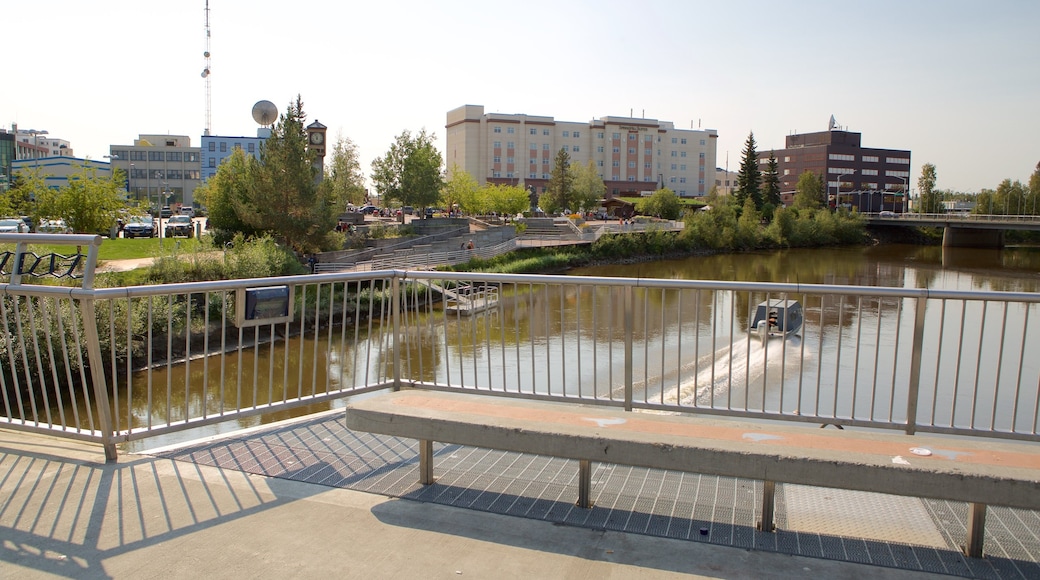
<point>956,82</point>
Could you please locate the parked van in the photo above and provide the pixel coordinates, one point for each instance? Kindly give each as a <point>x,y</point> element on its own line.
<point>188,210</point>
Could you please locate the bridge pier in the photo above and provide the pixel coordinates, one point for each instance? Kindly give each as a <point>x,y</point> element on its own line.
<point>972,238</point>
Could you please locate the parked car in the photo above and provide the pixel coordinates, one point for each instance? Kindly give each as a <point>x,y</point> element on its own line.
<point>165,212</point>
<point>180,225</point>
<point>187,210</point>
<point>408,210</point>
<point>13,226</point>
<point>369,209</point>
<point>887,214</point>
<point>139,226</point>
<point>53,227</point>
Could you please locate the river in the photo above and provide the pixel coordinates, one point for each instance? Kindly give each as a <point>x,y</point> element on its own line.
<point>904,266</point>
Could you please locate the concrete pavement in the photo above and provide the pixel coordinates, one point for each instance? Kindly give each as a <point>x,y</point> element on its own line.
<point>64,513</point>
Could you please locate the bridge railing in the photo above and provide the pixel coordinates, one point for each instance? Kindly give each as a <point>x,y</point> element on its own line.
<point>123,364</point>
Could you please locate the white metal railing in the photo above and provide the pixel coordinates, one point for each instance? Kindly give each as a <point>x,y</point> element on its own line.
<point>122,364</point>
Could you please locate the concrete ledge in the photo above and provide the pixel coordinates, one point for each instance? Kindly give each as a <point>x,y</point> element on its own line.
<point>979,473</point>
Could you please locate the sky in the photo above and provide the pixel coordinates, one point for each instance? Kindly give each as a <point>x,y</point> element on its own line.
<point>955,82</point>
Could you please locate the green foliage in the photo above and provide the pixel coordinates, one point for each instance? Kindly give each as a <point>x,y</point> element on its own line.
<point>749,179</point>
<point>809,192</point>
<point>559,192</point>
<point>410,172</point>
<point>345,178</point>
<point>663,204</point>
<point>226,194</point>
<point>507,200</point>
<point>460,189</point>
<point>930,201</point>
<point>589,188</point>
<point>89,204</point>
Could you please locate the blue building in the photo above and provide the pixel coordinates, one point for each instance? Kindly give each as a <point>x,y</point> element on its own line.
<point>217,148</point>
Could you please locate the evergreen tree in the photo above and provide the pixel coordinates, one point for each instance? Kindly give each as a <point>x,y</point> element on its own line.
<point>749,180</point>
<point>285,198</point>
<point>558,193</point>
<point>771,183</point>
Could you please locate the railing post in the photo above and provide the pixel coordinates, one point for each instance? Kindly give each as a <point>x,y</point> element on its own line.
<point>629,331</point>
<point>913,392</point>
<point>97,373</point>
<point>395,314</point>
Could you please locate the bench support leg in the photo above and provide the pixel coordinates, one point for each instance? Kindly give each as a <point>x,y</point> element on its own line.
<point>425,461</point>
<point>976,530</point>
<point>768,497</point>
<point>584,483</point>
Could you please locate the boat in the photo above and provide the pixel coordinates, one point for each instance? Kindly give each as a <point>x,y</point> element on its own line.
<point>776,318</point>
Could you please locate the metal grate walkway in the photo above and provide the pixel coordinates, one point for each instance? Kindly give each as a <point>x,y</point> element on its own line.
<point>877,529</point>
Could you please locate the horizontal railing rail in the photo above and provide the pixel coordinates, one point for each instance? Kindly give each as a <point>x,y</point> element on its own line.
<point>122,364</point>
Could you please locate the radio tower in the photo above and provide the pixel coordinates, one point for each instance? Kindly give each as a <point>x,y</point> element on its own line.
<point>205,75</point>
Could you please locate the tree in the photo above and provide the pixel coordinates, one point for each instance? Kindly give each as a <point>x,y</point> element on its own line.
<point>664,204</point>
<point>809,193</point>
<point>589,188</point>
<point>89,204</point>
<point>1034,190</point>
<point>410,172</point>
<point>21,198</point>
<point>771,183</point>
<point>345,178</point>
<point>559,192</point>
<point>460,190</point>
<point>749,179</point>
<point>226,193</point>
<point>507,200</point>
<point>285,197</point>
<point>926,187</point>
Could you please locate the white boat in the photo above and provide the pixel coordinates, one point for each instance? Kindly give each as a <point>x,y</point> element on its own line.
<point>776,318</point>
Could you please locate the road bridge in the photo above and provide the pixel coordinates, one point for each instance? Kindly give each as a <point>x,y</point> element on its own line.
<point>960,230</point>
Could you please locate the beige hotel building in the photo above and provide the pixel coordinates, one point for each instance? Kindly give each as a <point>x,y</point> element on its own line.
<point>634,156</point>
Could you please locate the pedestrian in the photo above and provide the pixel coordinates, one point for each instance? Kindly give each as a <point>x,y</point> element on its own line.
<point>470,245</point>
<point>312,262</point>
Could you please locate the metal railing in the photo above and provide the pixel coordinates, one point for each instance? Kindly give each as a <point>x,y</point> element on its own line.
<point>122,364</point>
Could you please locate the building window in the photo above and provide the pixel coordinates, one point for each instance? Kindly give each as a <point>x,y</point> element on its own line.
<point>671,180</point>
<point>631,164</point>
<point>576,148</point>
<point>545,132</point>
<point>599,163</point>
<point>787,159</point>
<point>497,145</point>
<point>173,156</point>
<point>787,172</point>
<point>497,129</point>
<point>682,154</point>
<point>617,150</point>
<point>509,160</point>
<point>212,161</point>
<point>155,156</point>
<point>545,146</point>
<point>673,167</point>
<point>897,161</point>
<point>683,141</point>
<point>251,147</point>
<point>566,133</point>
<point>675,154</point>
<point>675,140</point>
<point>631,150</point>
<point>212,145</point>
<point>869,172</point>
<point>534,132</point>
<point>682,167</point>
<point>631,136</point>
<point>223,146</point>
<point>616,135</point>
<point>870,159</point>
<point>599,135</point>
<point>648,139</point>
<point>510,144</point>
<point>496,174</point>
<point>648,152</point>
<point>534,161</point>
<point>510,130</point>
<point>702,157</point>
<point>566,148</point>
<point>702,143</point>
<point>191,157</point>
<point>497,159</point>
<point>617,163</point>
<point>577,134</point>
<point>599,149</point>
<point>841,157</point>
<point>532,175</point>
<point>682,180</point>
<point>191,174</point>
<point>646,165</point>
<point>545,176</point>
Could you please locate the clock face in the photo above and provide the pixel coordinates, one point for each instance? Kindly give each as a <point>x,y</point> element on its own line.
<point>317,138</point>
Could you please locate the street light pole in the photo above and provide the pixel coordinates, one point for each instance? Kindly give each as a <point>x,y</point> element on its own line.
<point>36,153</point>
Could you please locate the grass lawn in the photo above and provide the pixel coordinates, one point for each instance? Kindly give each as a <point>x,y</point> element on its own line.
<point>122,249</point>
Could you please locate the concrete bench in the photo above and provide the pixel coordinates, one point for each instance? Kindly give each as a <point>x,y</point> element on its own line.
<point>980,473</point>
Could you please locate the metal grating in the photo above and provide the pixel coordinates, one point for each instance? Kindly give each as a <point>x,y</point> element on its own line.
<point>898,532</point>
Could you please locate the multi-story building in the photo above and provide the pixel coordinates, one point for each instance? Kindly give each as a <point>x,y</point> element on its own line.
<point>7,157</point>
<point>855,176</point>
<point>216,148</point>
<point>161,169</point>
<point>55,171</point>
<point>725,181</point>
<point>634,156</point>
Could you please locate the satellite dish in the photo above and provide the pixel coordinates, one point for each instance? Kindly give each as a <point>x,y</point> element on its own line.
<point>265,113</point>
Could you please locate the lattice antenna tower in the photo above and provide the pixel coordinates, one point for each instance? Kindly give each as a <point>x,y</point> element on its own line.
<point>205,75</point>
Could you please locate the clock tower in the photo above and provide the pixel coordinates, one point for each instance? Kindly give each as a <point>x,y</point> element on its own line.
<point>316,142</point>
